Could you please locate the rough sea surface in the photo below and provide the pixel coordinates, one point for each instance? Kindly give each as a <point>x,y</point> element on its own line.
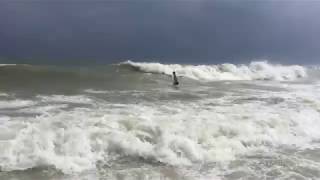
<point>127,121</point>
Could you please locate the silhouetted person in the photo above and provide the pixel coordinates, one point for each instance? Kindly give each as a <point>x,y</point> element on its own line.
<point>175,79</point>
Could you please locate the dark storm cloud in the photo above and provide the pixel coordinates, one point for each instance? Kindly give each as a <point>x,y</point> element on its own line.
<point>176,30</point>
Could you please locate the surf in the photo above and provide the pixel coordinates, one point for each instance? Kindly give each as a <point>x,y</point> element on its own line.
<point>257,70</point>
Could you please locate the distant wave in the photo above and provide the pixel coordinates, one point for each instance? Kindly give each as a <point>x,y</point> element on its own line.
<point>258,70</point>
<point>1,65</point>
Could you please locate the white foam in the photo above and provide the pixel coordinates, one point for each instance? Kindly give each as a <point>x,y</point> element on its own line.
<point>7,65</point>
<point>4,119</point>
<point>260,70</point>
<point>93,91</point>
<point>6,133</point>
<point>174,133</point>
<point>43,109</point>
<point>79,99</point>
<point>4,94</point>
<point>7,104</point>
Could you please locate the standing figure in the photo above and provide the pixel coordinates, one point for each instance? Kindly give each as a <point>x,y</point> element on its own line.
<point>175,79</point>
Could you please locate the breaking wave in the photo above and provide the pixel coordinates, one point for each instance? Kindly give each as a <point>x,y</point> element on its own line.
<point>259,70</point>
<point>175,134</point>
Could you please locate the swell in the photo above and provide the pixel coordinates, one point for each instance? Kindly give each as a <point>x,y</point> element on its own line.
<point>133,75</point>
<point>30,79</point>
<point>36,71</point>
<point>57,79</point>
<point>259,70</point>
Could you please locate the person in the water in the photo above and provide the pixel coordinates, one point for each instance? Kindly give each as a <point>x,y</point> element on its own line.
<point>175,79</point>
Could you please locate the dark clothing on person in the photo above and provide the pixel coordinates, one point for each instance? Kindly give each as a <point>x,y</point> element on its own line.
<point>175,79</point>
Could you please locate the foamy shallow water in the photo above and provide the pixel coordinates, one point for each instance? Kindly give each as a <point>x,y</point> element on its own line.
<point>213,130</point>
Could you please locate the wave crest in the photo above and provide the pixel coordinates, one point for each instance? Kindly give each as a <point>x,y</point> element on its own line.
<point>258,70</point>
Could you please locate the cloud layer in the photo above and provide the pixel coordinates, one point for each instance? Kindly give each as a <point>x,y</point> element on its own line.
<point>177,30</point>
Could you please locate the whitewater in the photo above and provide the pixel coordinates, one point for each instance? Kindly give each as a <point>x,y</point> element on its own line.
<point>126,121</point>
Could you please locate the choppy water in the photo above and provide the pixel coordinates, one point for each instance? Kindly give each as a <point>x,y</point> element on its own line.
<point>127,121</point>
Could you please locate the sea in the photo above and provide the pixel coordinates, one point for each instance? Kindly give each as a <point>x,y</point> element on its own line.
<point>127,121</point>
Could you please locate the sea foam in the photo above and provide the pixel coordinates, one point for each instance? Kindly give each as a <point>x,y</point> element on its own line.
<point>260,70</point>
<point>171,133</point>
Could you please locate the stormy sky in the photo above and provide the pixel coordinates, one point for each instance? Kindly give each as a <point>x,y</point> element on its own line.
<point>186,31</point>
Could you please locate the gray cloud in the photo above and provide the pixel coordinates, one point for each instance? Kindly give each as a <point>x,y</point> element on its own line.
<point>177,30</point>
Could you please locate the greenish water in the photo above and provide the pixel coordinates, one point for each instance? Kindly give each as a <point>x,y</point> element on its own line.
<point>129,122</point>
